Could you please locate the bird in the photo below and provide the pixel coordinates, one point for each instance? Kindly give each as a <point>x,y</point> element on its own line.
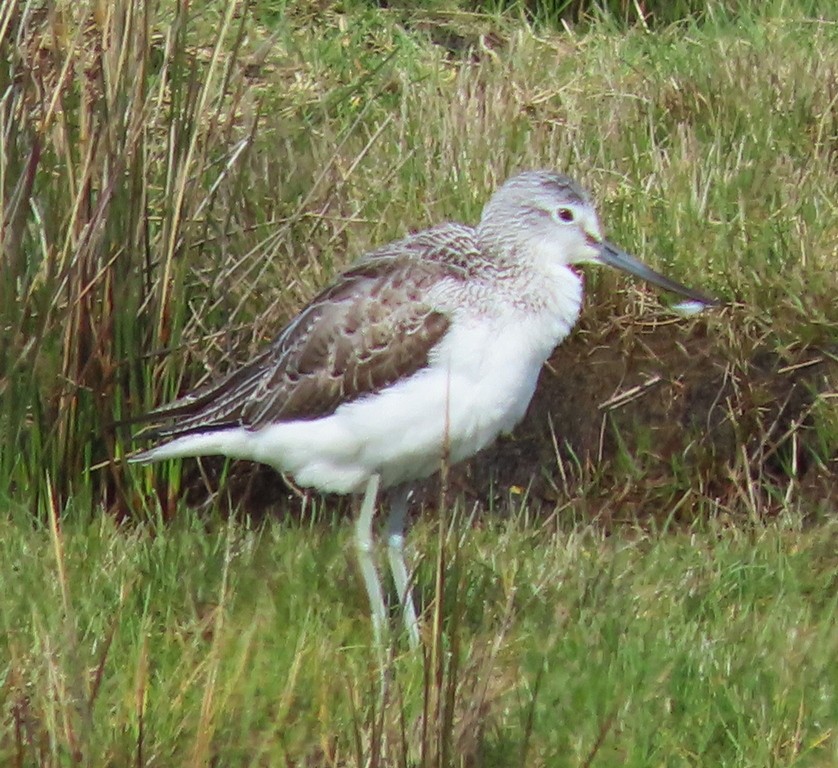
<point>423,351</point>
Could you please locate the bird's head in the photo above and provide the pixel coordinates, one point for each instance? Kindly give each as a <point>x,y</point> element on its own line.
<point>547,217</point>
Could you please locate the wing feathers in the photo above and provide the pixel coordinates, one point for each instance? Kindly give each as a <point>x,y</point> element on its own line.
<point>369,328</point>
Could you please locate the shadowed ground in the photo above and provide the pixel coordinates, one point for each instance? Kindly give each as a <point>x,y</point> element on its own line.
<point>642,406</point>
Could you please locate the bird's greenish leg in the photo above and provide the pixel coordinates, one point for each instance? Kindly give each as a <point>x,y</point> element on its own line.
<point>395,553</point>
<point>364,545</point>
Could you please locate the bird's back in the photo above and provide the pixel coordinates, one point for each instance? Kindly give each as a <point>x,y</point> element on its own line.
<point>373,326</point>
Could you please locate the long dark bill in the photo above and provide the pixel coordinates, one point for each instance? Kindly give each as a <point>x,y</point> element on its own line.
<point>614,257</point>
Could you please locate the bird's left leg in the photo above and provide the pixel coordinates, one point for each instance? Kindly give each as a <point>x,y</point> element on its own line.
<point>364,544</point>
<point>399,498</point>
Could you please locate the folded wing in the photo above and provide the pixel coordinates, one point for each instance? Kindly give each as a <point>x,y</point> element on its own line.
<point>371,327</point>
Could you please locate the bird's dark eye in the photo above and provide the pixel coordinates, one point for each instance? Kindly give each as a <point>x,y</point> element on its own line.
<point>566,215</point>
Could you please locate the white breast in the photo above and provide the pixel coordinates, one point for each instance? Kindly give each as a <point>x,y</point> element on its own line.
<point>479,382</point>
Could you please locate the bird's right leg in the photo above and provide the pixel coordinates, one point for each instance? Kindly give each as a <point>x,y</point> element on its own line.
<point>395,552</point>
<point>364,544</point>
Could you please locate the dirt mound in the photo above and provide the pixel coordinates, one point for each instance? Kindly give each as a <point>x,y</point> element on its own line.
<point>648,415</point>
<point>627,423</point>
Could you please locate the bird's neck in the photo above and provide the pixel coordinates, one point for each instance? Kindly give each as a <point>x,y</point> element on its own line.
<point>538,288</point>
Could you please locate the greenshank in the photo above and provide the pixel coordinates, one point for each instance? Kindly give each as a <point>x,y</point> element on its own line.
<point>424,351</point>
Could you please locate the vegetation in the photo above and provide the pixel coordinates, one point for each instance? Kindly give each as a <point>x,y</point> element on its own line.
<point>652,583</point>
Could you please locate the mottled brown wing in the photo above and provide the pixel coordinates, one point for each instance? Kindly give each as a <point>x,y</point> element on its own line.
<point>364,332</point>
<point>362,335</point>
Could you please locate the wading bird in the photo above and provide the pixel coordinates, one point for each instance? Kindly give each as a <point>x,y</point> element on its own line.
<point>425,350</point>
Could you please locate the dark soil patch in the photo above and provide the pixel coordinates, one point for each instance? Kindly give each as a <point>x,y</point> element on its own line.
<point>633,421</point>
<point>638,419</point>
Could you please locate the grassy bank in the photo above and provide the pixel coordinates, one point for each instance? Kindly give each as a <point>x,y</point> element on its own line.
<point>177,184</point>
<point>232,646</point>
<point>650,577</point>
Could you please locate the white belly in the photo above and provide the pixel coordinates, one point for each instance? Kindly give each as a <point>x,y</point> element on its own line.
<point>478,385</point>
<point>479,382</point>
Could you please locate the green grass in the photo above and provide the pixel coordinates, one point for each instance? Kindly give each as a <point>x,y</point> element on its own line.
<point>176,181</point>
<point>252,647</point>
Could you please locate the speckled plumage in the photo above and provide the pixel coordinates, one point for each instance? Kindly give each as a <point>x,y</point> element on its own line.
<point>430,345</point>
<point>425,350</point>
